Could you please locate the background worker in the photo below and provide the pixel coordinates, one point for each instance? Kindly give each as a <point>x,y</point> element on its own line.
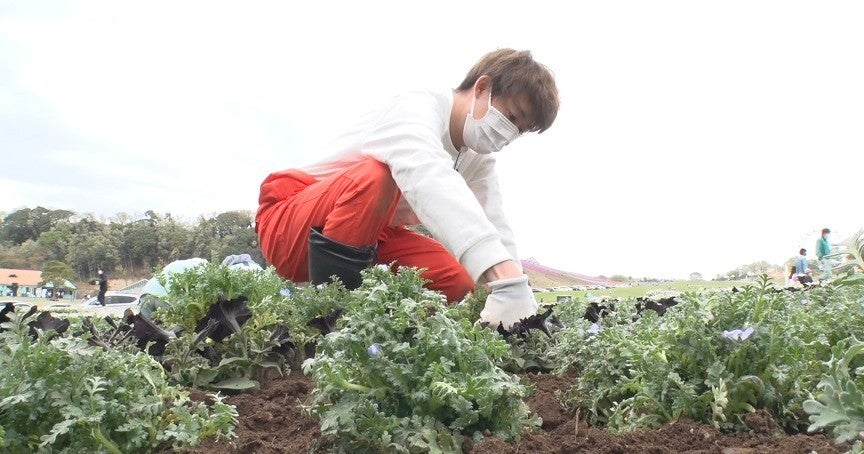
<point>823,249</point>
<point>103,286</point>
<point>423,157</point>
<point>802,268</point>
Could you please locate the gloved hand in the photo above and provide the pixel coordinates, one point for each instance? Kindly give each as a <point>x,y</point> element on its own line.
<point>511,300</point>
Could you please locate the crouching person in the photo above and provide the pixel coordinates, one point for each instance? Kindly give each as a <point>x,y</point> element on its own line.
<point>424,157</point>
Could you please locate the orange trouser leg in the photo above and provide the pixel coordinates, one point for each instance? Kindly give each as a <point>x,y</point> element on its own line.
<point>353,207</point>
<point>408,248</point>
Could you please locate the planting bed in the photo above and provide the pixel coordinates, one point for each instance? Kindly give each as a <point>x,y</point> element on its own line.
<point>271,421</point>
<point>394,367</point>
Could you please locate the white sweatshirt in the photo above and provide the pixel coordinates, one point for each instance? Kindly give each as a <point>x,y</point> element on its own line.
<point>453,194</point>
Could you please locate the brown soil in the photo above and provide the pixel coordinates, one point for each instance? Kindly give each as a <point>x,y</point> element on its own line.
<point>271,421</point>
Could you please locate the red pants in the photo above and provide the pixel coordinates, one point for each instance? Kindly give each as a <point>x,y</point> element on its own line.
<point>354,206</point>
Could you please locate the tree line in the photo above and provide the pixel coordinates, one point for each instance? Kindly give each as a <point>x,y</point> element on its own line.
<point>66,245</point>
<point>121,245</point>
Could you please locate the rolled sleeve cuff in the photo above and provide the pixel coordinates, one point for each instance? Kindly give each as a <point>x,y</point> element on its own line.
<point>483,255</point>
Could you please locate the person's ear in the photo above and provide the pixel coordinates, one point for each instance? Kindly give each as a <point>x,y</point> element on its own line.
<point>482,84</point>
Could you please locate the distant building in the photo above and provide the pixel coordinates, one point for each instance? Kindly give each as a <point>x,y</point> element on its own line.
<point>28,283</point>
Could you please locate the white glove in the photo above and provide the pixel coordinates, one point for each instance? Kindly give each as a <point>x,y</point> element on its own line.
<point>511,300</point>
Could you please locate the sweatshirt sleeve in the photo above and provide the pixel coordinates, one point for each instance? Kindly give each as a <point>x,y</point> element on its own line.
<point>485,187</point>
<point>408,138</point>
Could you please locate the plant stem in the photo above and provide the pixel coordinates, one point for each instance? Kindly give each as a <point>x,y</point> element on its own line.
<point>354,387</point>
<point>108,444</point>
<point>345,384</point>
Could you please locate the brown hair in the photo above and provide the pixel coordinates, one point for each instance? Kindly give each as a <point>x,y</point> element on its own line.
<point>515,73</point>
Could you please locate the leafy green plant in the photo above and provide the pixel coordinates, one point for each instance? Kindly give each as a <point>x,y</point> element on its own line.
<point>248,356</point>
<point>185,361</point>
<point>405,373</point>
<point>852,247</point>
<point>839,406</point>
<point>712,357</point>
<point>471,306</point>
<point>306,304</point>
<point>229,316</point>
<point>9,308</point>
<point>193,291</point>
<point>530,349</point>
<point>107,333</point>
<point>249,336</point>
<point>226,352</point>
<point>62,394</point>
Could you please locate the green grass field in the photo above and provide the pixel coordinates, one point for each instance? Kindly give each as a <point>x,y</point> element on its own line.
<point>643,289</point>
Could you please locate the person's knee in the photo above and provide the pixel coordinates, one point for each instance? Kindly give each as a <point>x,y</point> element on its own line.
<point>464,286</point>
<point>378,177</point>
<point>455,285</point>
<point>375,183</point>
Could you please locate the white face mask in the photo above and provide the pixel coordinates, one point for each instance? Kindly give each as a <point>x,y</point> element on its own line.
<point>490,133</point>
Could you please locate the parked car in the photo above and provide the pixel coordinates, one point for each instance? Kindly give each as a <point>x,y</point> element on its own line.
<point>113,300</point>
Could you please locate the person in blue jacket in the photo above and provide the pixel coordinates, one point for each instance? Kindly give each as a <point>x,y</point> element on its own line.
<point>802,268</point>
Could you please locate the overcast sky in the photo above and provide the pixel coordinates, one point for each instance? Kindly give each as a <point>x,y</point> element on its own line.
<point>692,137</point>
